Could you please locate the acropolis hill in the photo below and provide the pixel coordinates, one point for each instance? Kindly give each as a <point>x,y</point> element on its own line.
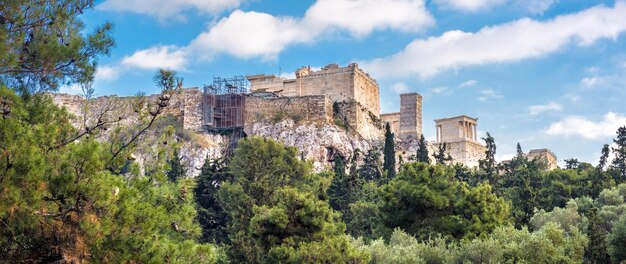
<point>332,110</point>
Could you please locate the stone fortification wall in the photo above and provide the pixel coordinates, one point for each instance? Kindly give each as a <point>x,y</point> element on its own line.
<point>410,115</point>
<point>466,152</point>
<point>314,108</point>
<point>192,109</point>
<point>393,119</point>
<point>359,119</point>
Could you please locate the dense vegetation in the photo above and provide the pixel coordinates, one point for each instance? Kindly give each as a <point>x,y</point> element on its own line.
<point>67,197</point>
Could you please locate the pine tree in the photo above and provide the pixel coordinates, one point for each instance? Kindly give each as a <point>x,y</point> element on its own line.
<point>571,164</point>
<point>520,153</point>
<point>606,150</point>
<point>422,151</point>
<point>176,169</point>
<point>488,165</point>
<point>211,215</point>
<point>370,170</point>
<point>389,152</point>
<point>441,157</point>
<point>619,162</point>
<point>596,251</point>
<point>343,189</point>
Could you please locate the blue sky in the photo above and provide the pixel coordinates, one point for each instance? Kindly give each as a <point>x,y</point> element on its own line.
<point>545,73</point>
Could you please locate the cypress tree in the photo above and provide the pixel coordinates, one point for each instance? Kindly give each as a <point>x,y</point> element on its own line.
<point>176,168</point>
<point>596,251</point>
<point>488,165</point>
<point>422,151</point>
<point>389,152</point>
<point>619,162</point>
<point>441,157</point>
<point>211,214</point>
<point>370,169</point>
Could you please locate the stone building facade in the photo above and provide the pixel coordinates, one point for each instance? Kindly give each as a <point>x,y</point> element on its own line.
<point>544,155</point>
<point>459,135</point>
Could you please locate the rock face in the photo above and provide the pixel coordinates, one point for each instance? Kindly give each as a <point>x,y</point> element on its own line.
<point>316,143</point>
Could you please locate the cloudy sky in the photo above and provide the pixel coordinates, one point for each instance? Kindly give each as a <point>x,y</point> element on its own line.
<point>545,73</point>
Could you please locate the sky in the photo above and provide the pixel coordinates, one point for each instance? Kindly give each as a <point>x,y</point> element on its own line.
<point>544,73</point>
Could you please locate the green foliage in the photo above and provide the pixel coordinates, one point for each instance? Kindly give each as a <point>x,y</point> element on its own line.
<point>422,151</point>
<point>371,169</point>
<point>441,157</point>
<point>344,189</point>
<point>596,251</point>
<point>58,202</point>
<point>619,162</point>
<point>211,215</point>
<point>488,165</point>
<point>617,240</point>
<point>176,169</point>
<point>389,153</point>
<point>426,200</point>
<point>44,45</point>
<point>277,208</point>
<point>505,245</point>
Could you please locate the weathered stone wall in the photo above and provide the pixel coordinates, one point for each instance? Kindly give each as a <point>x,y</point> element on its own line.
<point>360,120</point>
<point>314,108</point>
<point>465,152</point>
<point>192,109</point>
<point>410,115</point>
<point>544,155</point>
<point>393,119</point>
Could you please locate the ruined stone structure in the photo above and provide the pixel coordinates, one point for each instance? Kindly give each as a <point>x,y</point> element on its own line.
<point>355,96</point>
<point>544,155</point>
<point>459,135</point>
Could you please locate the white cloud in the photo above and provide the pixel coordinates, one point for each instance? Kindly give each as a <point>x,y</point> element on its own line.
<point>439,90</point>
<point>106,73</point>
<point>468,83</point>
<point>537,6</point>
<point>590,81</point>
<point>75,89</point>
<point>489,95</point>
<point>504,156</point>
<point>538,109</point>
<point>260,35</point>
<point>400,88</point>
<point>169,57</point>
<point>469,5</point>
<point>164,9</point>
<point>251,34</point>
<point>592,69</point>
<point>591,129</point>
<point>514,41</point>
<point>364,16</point>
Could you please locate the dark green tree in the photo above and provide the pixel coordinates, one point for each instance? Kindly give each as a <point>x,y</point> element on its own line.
<point>606,151</point>
<point>422,151</point>
<point>441,157</point>
<point>596,251</point>
<point>488,164</point>
<point>344,188</point>
<point>617,240</point>
<point>426,200</point>
<point>571,164</point>
<point>44,44</point>
<point>519,152</point>
<point>370,170</point>
<point>176,169</point>
<point>619,162</point>
<point>211,214</point>
<point>277,208</point>
<point>389,153</point>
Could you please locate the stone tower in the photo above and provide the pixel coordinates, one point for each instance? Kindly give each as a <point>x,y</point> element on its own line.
<point>459,134</point>
<point>410,115</point>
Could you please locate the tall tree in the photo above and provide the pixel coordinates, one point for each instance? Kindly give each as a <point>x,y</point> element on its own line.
<point>176,169</point>
<point>370,170</point>
<point>422,151</point>
<point>596,251</point>
<point>211,214</point>
<point>43,45</point>
<point>389,152</point>
<point>616,241</point>
<point>488,164</point>
<point>343,189</point>
<point>604,157</point>
<point>520,152</point>
<point>619,162</point>
<point>441,157</point>
<point>571,164</point>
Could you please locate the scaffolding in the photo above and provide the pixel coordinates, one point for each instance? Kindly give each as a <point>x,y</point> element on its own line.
<point>223,108</point>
